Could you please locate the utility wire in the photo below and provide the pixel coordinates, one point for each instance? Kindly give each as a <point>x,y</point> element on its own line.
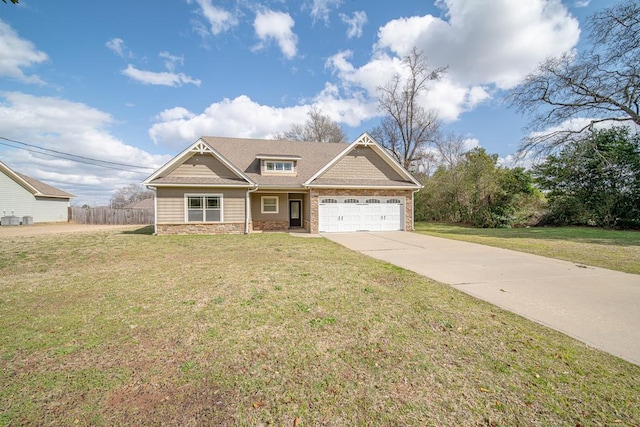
<point>74,157</point>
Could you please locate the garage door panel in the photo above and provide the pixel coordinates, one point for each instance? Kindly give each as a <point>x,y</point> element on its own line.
<point>346,217</point>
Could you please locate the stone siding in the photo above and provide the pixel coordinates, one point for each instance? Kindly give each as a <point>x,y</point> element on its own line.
<point>223,228</point>
<point>271,225</point>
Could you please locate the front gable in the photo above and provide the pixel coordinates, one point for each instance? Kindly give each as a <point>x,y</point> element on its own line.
<point>202,165</point>
<point>363,163</point>
<point>199,165</point>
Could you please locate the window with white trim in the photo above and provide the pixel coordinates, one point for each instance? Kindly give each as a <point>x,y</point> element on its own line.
<point>394,201</point>
<point>269,204</point>
<point>203,207</point>
<point>278,166</point>
<point>352,201</point>
<point>328,201</point>
<point>372,201</point>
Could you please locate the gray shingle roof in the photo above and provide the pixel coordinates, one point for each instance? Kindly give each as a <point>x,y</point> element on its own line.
<point>242,153</point>
<point>37,188</point>
<point>44,189</point>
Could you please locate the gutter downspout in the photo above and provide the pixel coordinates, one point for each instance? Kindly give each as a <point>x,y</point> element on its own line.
<point>155,210</point>
<point>247,208</point>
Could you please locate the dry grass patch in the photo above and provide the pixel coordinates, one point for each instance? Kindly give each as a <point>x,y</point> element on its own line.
<point>110,328</point>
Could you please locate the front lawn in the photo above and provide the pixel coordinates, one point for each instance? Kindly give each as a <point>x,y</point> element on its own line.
<point>612,249</point>
<point>112,328</point>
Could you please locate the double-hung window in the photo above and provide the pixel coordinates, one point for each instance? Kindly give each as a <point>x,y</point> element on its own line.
<point>269,204</point>
<point>204,207</point>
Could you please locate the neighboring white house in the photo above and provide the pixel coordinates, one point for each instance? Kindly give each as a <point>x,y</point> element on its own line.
<point>23,196</point>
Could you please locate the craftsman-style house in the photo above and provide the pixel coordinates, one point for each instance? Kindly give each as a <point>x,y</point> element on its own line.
<point>232,185</point>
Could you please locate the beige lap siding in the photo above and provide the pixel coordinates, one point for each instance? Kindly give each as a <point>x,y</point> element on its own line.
<point>322,192</point>
<point>171,204</point>
<point>362,163</point>
<point>203,165</point>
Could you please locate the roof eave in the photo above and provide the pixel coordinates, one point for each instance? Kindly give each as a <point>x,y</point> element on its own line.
<point>153,184</point>
<point>366,187</point>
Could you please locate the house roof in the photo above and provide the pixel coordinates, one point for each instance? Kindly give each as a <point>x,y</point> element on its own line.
<point>35,187</point>
<point>243,153</point>
<point>141,204</point>
<point>242,156</point>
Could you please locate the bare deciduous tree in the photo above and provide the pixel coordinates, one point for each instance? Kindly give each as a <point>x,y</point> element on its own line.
<point>407,126</point>
<point>130,194</point>
<point>599,85</point>
<point>451,148</point>
<point>317,128</point>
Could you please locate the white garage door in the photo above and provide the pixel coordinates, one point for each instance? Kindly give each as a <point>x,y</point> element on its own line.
<point>360,214</point>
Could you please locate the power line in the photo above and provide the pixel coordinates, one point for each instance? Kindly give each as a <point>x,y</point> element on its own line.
<point>74,157</point>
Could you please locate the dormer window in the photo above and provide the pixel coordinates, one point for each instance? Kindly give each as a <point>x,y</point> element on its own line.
<point>278,164</point>
<point>284,166</point>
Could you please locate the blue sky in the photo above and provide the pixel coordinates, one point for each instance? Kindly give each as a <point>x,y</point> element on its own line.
<point>136,82</point>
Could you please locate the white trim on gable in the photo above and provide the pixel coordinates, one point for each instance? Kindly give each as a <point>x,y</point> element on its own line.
<point>198,147</point>
<point>365,140</point>
<point>14,176</point>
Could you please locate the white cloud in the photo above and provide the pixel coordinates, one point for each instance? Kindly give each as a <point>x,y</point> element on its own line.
<point>16,54</point>
<point>245,118</point>
<point>69,127</point>
<point>320,9</point>
<point>239,117</point>
<point>277,26</point>
<point>447,96</point>
<point>219,19</point>
<point>171,60</point>
<point>487,46</point>
<point>117,45</point>
<point>354,23</point>
<point>176,113</point>
<point>159,78</point>
<point>582,3</point>
<point>496,42</point>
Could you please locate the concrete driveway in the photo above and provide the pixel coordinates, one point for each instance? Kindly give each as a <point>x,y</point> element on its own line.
<point>597,306</point>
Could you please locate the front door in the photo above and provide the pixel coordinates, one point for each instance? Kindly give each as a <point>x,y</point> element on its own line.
<point>295,213</point>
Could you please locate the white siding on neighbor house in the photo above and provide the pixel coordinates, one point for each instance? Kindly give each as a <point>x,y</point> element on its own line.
<point>16,200</point>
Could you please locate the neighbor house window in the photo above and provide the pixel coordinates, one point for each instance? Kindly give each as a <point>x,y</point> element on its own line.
<point>270,204</point>
<point>282,167</point>
<point>204,207</point>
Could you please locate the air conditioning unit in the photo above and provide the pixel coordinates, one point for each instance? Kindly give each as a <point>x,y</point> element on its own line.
<point>10,220</point>
<point>27,220</point>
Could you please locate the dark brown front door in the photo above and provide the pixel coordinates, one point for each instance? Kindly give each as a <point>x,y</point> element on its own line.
<point>295,213</point>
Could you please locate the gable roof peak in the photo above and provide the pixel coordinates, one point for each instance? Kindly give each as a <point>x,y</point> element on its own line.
<point>200,147</point>
<point>365,139</point>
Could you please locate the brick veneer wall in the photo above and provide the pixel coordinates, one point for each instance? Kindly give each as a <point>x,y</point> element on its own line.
<point>271,225</point>
<point>223,228</point>
<point>323,192</point>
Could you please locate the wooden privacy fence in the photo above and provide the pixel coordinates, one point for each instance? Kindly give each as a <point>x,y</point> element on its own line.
<point>109,216</point>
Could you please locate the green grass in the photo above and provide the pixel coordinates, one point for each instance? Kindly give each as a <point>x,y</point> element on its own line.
<point>123,328</point>
<point>615,250</point>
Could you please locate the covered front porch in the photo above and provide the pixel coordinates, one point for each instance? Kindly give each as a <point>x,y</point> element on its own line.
<point>273,210</point>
